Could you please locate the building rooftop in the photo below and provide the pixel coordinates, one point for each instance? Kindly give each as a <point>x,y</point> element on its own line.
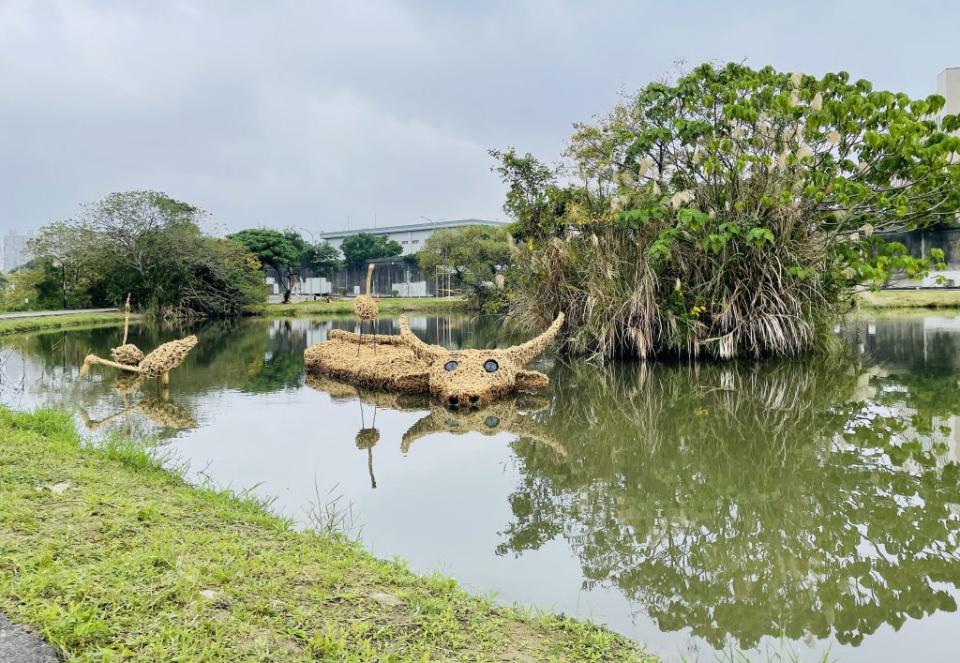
<point>410,227</point>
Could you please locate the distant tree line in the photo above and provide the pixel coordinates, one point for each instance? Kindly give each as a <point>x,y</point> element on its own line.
<point>140,242</point>
<point>157,249</point>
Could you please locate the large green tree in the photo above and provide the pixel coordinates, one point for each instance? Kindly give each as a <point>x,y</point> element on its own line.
<point>475,254</point>
<point>70,249</point>
<point>282,252</point>
<point>321,259</point>
<point>150,245</point>
<point>731,212</point>
<point>289,255</point>
<point>358,249</point>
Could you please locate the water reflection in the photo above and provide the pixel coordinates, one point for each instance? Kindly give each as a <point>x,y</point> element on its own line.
<point>517,415</point>
<point>689,506</point>
<point>754,500</point>
<point>157,408</point>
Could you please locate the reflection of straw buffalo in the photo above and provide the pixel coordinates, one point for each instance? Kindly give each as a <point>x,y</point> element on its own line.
<point>507,417</point>
<point>404,363</point>
<point>512,415</point>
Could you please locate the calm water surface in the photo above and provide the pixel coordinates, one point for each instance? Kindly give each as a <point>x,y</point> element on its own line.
<point>776,509</point>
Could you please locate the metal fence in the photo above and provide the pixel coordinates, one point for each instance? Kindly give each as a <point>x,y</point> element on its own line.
<point>391,278</point>
<point>919,243</point>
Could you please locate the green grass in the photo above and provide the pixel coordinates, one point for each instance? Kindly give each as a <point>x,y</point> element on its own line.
<point>909,299</point>
<point>345,306</point>
<point>109,556</point>
<point>23,325</point>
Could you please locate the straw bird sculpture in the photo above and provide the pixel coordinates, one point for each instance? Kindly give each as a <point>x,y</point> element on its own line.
<point>157,364</point>
<point>405,364</point>
<point>365,306</point>
<point>126,353</point>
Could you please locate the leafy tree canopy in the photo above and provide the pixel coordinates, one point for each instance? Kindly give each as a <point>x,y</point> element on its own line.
<point>358,249</point>
<point>731,211</point>
<point>150,245</point>
<point>476,254</point>
<point>322,259</point>
<point>274,249</point>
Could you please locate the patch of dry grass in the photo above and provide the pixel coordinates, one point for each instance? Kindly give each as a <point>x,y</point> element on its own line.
<point>927,298</point>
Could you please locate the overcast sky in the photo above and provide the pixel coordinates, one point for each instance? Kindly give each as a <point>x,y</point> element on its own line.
<point>300,113</point>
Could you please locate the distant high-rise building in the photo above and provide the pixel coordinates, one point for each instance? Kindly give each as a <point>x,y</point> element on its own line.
<point>14,251</point>
<point>948,87</point>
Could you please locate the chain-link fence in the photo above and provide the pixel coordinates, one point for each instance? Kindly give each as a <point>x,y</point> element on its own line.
<point>391,278</point>
<point>919,243</point>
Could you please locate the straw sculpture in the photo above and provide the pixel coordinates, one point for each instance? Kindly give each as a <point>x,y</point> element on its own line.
<point>365,306</point>
<point>157,364</point>
<point>127,353</point>
<point>405,364</point>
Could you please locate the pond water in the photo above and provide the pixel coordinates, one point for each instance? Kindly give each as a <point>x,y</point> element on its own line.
<point>794,509</point>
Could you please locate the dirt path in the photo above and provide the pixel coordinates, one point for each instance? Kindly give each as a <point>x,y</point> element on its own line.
<point>47,314</point>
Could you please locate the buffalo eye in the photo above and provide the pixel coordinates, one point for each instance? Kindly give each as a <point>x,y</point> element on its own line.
<point>490,366</point>
<point>450,366</point>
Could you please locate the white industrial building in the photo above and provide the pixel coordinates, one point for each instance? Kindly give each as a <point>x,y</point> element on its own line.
<point>393,277</point>
<point>410,236</point>
<point>948,87</point>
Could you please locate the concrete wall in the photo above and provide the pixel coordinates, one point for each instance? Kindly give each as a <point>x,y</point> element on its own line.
<point>948,86</point>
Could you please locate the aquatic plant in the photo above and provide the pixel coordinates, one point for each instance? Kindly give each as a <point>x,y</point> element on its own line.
<point>729,213</point>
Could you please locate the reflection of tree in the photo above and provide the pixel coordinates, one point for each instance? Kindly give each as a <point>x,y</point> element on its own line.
<point>728,499</point>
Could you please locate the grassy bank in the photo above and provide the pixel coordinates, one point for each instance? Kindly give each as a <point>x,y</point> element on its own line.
<point>908,299</point>
<point>109,556</point>
<point>23,325</point>
<point>388,306</point>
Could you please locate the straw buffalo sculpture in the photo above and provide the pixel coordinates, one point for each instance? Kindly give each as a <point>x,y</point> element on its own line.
<point>405,364</point>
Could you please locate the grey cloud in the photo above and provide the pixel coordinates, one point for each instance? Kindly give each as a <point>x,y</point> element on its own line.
<point>302,113</point>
